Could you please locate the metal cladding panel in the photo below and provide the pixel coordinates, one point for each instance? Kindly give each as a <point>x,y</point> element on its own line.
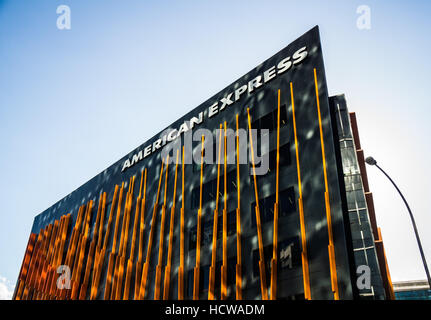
<point>261,101</point>
<point>363,243</point>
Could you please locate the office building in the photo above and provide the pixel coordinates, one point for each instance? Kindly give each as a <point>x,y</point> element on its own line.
<point>260,192</point>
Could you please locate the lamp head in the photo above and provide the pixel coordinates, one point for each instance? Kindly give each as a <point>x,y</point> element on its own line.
<point>371,161</point>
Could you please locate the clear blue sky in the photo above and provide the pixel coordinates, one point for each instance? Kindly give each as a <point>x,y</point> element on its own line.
<point>72,102</point>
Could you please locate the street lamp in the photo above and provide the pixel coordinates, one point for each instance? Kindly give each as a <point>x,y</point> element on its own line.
<point>372,162</point>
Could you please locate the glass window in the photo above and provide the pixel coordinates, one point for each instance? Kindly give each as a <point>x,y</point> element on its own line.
<point>195,197</point>
<point>209,191</point>
<point>289,256</point>
<point>231,224</point>
<point>190,281</point>
<point>203,281</point>
<point>287,205</point>
<point>206,236</point>
<point>269,121</point>
<point>285,161</point>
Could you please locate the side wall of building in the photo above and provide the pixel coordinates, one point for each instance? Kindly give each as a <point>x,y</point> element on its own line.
<point>365,233</point>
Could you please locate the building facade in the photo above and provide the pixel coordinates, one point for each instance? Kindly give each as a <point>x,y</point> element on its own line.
<point>258,193</point>
<point>412,290</point>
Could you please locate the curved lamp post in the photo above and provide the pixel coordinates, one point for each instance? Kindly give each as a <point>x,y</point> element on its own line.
<point>372,162</point>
